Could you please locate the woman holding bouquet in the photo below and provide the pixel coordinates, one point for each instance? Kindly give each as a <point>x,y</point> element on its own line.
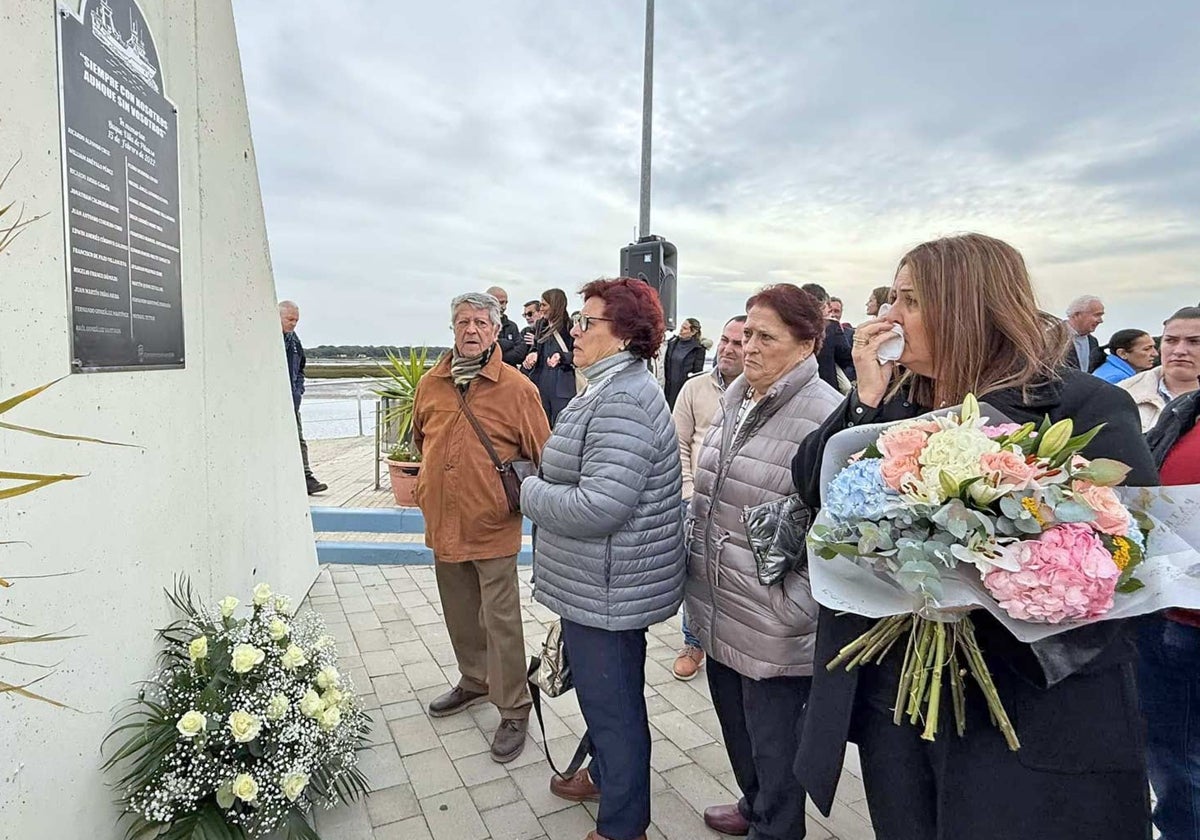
<point>971,324</point>
<point>759,639</point>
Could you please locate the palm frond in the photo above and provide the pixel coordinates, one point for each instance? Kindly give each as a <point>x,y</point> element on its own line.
<point>23,691</point>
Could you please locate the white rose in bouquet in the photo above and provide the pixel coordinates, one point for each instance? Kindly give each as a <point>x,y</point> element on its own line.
<point>328,677</point>
<point>278,707</point>
<point>278,629</point>
<point>198,649</point>
<point>293,784</point>
<point>293,658</point>
<point>283,604</point>
<point>245,788</point>
<point>244,726</point>
<point>246,658</point>
<point>311,705</point>
<point>262,594</point>
<point>228,604</point>
<point>191,724</point>
<point>330,718</point>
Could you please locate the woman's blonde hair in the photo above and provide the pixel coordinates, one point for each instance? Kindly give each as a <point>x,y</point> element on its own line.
<point>984,327</point>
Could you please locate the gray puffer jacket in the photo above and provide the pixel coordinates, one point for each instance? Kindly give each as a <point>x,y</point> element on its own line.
<point>759,631</point>
<point>608,543</point>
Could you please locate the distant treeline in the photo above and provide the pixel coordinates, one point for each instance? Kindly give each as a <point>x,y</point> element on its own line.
<point>365,351</point>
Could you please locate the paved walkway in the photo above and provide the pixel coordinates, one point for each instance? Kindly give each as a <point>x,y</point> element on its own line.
<point>433,778</point>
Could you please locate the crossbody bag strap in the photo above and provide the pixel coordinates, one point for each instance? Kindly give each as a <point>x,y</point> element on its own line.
<point>483,438</point>
<point>585,743</point>
<point>561,344</point>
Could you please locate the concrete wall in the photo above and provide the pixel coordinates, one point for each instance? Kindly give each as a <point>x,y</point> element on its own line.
<point>217,491</point>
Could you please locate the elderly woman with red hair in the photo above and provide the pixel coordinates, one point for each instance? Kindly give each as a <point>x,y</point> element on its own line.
<point>608,550</point>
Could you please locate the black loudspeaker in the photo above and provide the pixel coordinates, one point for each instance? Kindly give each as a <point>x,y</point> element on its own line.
<point>654,260</point>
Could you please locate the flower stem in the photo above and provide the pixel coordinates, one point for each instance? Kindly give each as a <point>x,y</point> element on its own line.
<point>979,670</point>
<point>935,682</point>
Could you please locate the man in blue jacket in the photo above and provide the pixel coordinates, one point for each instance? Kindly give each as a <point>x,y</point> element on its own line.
<point>289,316</point>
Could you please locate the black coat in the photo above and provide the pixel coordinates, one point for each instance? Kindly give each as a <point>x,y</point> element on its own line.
<point>555,382</point>
<point>1096,356</point>
<point>1072,697</point>
<point>512,344</point>
<point>1176,420</point>
<point>834,354</point>
<point>679,364</point>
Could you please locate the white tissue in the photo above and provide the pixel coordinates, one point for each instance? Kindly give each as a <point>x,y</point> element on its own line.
<point>891,349</point>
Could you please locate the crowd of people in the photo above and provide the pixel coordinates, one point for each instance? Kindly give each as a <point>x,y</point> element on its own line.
<point>640,477</point>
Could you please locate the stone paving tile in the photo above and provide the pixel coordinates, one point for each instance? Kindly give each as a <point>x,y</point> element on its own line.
<point>392,805</point>
<point>514,821</point>
<point>434,778</point>
<point>435,773</point>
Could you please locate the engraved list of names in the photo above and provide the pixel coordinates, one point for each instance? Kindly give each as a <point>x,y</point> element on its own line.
<point>121,183</point>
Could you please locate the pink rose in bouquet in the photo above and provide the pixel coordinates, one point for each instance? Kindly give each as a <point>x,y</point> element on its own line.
<point>1002,430</point>
<point>1009,468</point>
<point>1065,575</point>
<point>1112,517</point>
<point>900,448</point>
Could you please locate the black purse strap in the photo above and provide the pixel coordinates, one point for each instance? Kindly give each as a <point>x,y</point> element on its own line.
<point>585,743</point>
<point>483,437</point>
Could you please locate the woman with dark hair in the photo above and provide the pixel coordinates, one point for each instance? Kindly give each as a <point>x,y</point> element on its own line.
<point>608,551</point>
<point>972,325</point>
<point>1129,353</point>
<point>684,356</point>
<point>550,364</point>
<point>758,639</point>
<point>879,296</point>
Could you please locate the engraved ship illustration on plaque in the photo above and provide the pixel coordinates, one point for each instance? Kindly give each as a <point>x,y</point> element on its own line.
<point>130,52</point>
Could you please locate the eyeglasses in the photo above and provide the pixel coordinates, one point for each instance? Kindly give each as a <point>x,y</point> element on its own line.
<point>584,321</point>
<point>530,313</point>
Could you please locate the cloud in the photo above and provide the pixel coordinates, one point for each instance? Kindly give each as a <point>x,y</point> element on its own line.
<point>410,152</point>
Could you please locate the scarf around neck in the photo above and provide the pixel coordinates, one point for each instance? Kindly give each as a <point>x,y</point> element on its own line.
<point>465,368</point>
<point>606,368</point>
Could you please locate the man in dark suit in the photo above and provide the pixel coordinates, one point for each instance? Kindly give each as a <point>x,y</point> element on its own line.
<point>835,351</point>
<point>1084,315</point>
<point>512,347</point>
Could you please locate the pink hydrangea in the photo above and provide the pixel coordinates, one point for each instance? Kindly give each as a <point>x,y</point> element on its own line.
<point>1065,575</point>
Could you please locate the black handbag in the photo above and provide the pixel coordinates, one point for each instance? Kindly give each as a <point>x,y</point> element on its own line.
<point>776,531</point>
<point>512,473</point>
<point>550,674</point>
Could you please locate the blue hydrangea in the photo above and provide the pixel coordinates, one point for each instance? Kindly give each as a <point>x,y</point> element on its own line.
<point>858,493</point>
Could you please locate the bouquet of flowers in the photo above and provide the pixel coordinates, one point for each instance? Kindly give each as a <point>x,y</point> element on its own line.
<point>247,725</point>
<point>958,513</point>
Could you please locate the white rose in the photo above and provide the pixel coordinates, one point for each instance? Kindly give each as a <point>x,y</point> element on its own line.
<point>311,704</point>
<point>262,594</point>
<point>198,649</point>
<point>283,603</point>
<point>244,787</point>
<point>332,697</point>
<point>330,718</point>
<point>191,724</point>
<point>277,707</point>
<point>228,604</point>
<point>278,628</point>
<point>328,676</point>
<point>244,726</point>
<point>246,658</point>
<point>293,785</point>
<point>293,658</point>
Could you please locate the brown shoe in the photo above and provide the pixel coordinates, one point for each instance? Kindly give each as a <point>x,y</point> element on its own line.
<point>509,740</point>
<point>727,819</point>
<point>688,663</point>
<point>454,701</point>
<point>578,788</point>
<point>595,835</point>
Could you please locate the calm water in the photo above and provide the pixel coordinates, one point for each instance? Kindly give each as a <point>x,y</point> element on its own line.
<point>330,409</point>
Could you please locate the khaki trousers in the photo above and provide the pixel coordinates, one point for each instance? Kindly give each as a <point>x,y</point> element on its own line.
<point>482,607</point>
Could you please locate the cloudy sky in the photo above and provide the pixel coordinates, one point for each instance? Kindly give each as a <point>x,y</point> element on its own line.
<point>409,152</point>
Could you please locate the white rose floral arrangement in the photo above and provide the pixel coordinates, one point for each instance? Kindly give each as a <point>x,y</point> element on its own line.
<point>244,729</point>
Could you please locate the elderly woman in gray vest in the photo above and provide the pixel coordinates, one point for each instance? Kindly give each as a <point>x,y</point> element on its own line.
<point>759,639</point>
<point>609,554</point>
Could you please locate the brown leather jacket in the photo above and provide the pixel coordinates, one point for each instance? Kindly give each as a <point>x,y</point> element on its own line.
<point>458,488</point>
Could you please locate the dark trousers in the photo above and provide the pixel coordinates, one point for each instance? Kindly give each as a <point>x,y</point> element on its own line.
<point>1169,689</point>
<point>552,406</point>
<point>303,444</point>
<point>760,720</point>
<point>609,669</point>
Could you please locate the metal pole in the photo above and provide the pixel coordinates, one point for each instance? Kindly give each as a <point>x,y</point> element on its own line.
<point>647,109</point>
<point>358,402</point>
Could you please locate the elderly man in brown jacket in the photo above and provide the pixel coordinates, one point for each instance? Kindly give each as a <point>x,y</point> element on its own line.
<point>474,537</point>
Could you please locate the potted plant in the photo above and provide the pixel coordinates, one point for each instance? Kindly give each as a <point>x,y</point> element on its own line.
<point>401,375</point>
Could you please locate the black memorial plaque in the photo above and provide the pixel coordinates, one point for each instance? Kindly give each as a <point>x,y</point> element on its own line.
<point>121,191</point>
